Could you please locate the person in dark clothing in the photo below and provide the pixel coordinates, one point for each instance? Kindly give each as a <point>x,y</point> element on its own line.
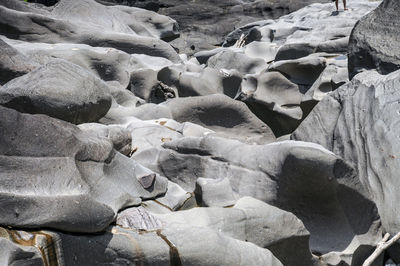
<point>337,5</point>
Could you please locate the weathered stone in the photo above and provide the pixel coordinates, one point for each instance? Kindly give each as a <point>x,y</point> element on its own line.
<point>214,192</point>
<point>56,176</point>
<point>303,178</point>
<point>374,42</point>
<point>274,99</point>
<point>173,245</point>
<point>59,89</point>
<point>225,116</point>
<point>56,27</point>
<point>12,63</point>
<point>359,122</point>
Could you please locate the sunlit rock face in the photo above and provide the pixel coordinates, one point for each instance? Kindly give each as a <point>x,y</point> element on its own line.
<point>197,132</point>
<point>359,123</point>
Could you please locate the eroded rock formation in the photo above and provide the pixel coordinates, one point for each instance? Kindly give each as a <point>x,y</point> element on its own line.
<point>234,138</point>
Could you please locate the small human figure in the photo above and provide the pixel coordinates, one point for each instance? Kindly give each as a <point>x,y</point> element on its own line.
<point>337,5</point>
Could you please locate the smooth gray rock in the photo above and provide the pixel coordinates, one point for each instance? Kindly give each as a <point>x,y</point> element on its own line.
<point>359,122</point>
<point>212,147</point>
<point>232,60</point>
<point>124,114</point>
<point>303,178</point>
<point>214,192</point>
<point>153,5</point>
<point>175,199</point>
<point>122,19</point>
<point>49,28</point>
<point>59,89</point>
<point>294,51</point>
<point>119,136</point>
<point>12,63</point>
<point>25,6</point>
<point>201,83</point>
<point>136,135</point>
<point>274,99</point>
<point>204,23</point>
<point>225,116</point>
<point>139,219</point>
<point>153,133</point>
<point>303,71</point>
<point>54,175</point>
<point>203,56</point>
<point>111,65</point>
<point>261,50</point>
<point>330,79</point>
<point>374,42</point>
<point>317,28</point>
<point>148,134</point>
<point>146,85</point>
<point>252,221</point>
<point>173,245</point>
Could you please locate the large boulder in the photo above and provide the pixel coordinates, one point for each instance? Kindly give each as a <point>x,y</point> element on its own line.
<point>375,40</point>
<point>59,27</point>
<point>59,89</point>
<point>113,66</point>
<point>122,19</point>
<point>359,122</point>
<point>12,63</point>
<point>274,99</point>
<point>225,116</point>
<point>201,82</point>
<point>54,175</point>
<point>303,178</point>
<point>252,221</point>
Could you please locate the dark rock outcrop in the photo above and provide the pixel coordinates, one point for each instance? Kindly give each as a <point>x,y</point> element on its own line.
<point>375,40</point>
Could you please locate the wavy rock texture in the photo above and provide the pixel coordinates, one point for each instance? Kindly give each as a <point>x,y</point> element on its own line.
<point>62,24</point>
<point>359,123</point>
<point>61,90</point>
<point>298,177</point>
<point>204,23</point>
<point>117,148</point>
<point>54,175</point>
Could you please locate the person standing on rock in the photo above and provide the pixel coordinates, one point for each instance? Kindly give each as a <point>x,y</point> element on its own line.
<point>337,5</point>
